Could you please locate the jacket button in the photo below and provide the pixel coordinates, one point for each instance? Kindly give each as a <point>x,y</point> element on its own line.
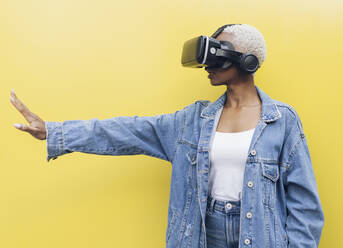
<point>253,152</point>
<point>250,184</point>
<point>228,205</point>
<point>249,214</point>
<point>247,241</point>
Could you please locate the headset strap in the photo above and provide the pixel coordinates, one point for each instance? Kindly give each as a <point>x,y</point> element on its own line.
<point>229,54</point>
<point>219,30</point>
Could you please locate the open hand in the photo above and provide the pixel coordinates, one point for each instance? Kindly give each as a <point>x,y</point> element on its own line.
<point>37,125</point>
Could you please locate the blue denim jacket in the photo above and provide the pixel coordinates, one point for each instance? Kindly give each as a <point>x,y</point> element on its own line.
<point>280,201</point>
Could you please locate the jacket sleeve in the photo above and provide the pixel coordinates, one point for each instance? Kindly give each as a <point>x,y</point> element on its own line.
<point>305,217</point>
<point>154,136</point>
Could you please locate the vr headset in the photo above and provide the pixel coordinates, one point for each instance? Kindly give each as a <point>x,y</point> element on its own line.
<point>204,51</point>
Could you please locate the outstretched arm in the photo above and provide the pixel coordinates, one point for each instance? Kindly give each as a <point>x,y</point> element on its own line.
<point>123,135</point>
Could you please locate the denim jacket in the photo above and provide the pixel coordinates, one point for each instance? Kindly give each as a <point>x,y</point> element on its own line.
<point>280,204</point>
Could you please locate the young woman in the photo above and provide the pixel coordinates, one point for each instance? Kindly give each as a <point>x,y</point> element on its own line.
<point>242,174</point>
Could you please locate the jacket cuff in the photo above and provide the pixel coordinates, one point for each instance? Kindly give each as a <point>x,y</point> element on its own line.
<point>54,139</point>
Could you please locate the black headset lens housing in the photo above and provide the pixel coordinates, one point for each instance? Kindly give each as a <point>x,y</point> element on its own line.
<point>204,51</point>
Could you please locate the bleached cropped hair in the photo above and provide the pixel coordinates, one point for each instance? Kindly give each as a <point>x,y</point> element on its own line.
<point>247,39</point>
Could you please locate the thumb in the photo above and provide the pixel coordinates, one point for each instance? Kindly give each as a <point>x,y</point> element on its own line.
<point>22,127</point>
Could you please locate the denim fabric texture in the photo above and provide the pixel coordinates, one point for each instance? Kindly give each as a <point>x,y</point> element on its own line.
<point>280,204</point>
<point>222,223</point>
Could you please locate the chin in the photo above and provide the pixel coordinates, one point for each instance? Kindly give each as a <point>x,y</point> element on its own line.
<point>215,82</point>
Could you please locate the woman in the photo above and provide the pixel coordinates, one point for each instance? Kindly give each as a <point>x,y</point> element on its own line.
<point>242,174</point>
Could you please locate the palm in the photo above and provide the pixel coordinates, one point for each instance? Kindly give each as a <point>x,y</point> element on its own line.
<point>37,125</point>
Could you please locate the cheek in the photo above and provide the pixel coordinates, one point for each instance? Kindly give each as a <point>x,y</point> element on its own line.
<point>225,75</point>
<point>231,72</point>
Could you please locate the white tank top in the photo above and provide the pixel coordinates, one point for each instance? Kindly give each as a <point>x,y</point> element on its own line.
<point>228,156</point>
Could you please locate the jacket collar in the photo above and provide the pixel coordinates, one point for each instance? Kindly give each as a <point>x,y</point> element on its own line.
<point>270,111</point>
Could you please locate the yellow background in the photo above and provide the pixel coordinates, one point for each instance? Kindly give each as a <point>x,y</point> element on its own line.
<point>72,59</point>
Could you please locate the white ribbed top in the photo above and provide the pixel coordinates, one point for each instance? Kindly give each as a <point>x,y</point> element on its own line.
<point>228,156</point>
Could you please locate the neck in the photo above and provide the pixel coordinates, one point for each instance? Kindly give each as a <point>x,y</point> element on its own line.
<point>240,95</point>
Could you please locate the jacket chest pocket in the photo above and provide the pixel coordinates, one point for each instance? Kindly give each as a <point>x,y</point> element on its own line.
<point>192,168</point>
<point>270,175</point>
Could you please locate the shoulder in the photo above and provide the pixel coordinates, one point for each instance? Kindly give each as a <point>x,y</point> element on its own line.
<point>202,102</point>
<point>289,115</point>
<point>192,112</point>
<point>197,105</point>
<point>286,108</point>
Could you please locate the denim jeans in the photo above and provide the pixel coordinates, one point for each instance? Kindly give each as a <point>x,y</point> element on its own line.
<point>222,223</point>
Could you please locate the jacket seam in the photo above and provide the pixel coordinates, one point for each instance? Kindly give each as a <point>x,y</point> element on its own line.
<point>293,151</point>
<point>295,115</point>
<point>180,132</point>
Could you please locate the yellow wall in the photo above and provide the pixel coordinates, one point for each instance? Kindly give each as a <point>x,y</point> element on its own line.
<point>72,59</point>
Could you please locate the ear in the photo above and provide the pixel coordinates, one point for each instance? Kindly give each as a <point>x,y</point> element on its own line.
<point>227,64</point>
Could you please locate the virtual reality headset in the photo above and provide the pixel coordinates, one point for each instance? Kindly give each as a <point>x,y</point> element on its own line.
<point>204,51</point>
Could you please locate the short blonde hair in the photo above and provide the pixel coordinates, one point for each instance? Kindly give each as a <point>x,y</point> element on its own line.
<point>248,39</point>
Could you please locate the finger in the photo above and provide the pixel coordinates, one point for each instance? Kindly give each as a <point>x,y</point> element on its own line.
<point>24,127</point>
<point>15,99</point>
<point>28,115</point>
<point>13,93</point>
